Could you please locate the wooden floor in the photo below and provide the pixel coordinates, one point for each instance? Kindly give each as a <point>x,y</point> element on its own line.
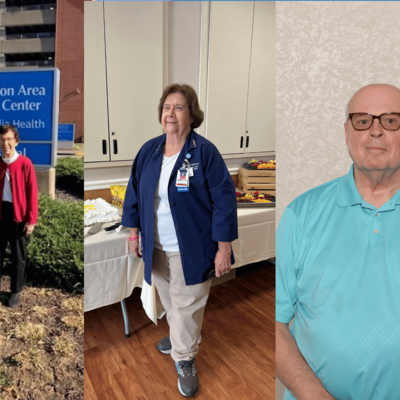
<point>236,358</point>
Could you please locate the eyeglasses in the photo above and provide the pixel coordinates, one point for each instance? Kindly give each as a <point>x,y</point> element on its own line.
<point>6,140</point>
<point>363,121</point>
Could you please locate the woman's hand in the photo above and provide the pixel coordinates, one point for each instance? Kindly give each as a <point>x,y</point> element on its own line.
<point>223,259</point>
<point>28,229</point>
<point>134,244</point>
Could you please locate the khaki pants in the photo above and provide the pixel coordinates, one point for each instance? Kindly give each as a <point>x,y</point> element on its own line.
<point>183,304</point>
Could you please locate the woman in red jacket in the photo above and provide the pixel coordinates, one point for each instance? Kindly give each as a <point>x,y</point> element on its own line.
<point>19,207</point>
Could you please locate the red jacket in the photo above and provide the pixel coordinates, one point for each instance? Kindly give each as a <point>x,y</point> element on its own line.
<point>23,188</point>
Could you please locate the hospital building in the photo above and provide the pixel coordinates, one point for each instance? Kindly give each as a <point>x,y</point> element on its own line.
<point>43,34</point>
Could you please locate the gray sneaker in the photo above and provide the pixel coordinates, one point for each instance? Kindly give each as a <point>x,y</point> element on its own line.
<point>164,345</point>
<point>188,380</point>
<point>14,299</point>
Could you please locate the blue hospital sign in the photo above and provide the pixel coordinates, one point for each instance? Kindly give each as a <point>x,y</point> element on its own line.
<point>29,101</point>
<point>66,132</point>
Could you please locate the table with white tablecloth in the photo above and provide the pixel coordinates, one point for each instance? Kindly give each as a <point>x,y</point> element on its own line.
<point>256,241</point>
<point>112,272</point>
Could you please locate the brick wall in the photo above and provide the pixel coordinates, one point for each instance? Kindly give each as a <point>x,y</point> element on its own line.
<point>69,60</point>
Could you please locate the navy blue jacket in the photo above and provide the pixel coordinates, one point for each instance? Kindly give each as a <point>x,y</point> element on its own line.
<point>204,216</point>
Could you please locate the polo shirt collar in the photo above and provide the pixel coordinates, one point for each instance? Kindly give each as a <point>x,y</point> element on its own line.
<point>347,192</point>
<point>396,198</point>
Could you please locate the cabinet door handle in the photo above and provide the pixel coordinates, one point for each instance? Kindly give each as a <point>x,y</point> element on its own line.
<point>115,146</point>
<point>104,146</point>
<point>247,141</point>
<point>241,142</point>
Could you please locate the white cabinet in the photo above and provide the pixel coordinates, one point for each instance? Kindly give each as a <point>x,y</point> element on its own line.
<point>240,94</point>
<point>261,101</point>
<point>95,87</point>
<point>228,73</point>
<point>123,77</point>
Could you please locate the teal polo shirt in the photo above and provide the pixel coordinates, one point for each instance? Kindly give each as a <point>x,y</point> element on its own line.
<point>338,275</point>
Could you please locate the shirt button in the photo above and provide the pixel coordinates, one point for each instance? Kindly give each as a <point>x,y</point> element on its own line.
<point>182,254</point>
<point>377,213</point>
<point>177,229</point>
<point>376,231</point>
<point>172,204</point>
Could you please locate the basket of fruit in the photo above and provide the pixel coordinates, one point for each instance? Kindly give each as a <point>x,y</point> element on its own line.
<point>254,165</point>
<point>257,176</point>
<point>255,199</point>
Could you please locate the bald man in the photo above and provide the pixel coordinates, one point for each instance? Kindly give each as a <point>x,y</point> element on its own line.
<point>338,267</point>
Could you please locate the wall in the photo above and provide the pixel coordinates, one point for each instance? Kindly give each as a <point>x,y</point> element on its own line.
<point>325,51</point>
<point>69,60</point>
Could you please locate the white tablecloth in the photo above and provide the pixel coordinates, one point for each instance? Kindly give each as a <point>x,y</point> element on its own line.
<point>112,272</point>
<point>256,235</point>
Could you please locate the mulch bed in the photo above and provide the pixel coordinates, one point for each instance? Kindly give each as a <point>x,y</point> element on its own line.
<point>41,345</point>
<point>63,194</point>
<point>41,341</point>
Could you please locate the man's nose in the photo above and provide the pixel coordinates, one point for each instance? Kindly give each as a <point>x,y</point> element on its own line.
<point>376,129</point>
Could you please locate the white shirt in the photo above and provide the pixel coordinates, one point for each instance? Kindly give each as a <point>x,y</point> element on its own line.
<point>7,195</point>
<point>164,228</point>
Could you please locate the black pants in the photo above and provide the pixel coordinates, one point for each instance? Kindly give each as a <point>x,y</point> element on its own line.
<point>13,232</point>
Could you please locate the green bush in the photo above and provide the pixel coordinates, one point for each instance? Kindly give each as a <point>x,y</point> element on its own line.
<point>70,173</point>
<point>55,250</point>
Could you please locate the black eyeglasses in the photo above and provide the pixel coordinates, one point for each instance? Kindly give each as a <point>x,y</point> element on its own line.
<point>363,121</point>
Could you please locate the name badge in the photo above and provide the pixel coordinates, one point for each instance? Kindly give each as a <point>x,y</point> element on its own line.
<point>182,180</point>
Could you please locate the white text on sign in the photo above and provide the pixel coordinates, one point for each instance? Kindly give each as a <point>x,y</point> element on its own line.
<point>26,105</point>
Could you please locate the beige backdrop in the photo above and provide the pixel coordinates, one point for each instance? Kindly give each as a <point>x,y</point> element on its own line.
<point>325,51</point>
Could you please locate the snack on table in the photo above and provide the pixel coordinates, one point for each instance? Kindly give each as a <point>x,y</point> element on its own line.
<point>118,195</point>
<point>269,165</point>
<point>255,197</point>
<point>99,211</point>
<point>254,164</point>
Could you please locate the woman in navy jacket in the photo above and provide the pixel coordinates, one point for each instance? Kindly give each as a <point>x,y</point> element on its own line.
<point>182,199</point>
